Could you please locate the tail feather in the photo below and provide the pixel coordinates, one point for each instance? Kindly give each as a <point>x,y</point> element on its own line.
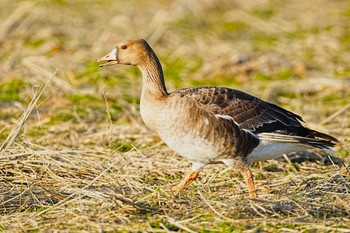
<point>315,139</point>
<point>322,136</point>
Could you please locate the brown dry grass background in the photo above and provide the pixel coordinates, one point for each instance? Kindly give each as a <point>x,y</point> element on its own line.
<point>76,157</point>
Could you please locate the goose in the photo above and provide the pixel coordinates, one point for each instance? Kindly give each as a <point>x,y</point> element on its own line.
<point>211,124</point>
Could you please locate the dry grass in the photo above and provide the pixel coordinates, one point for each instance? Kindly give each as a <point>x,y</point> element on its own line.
<point>76,156</point>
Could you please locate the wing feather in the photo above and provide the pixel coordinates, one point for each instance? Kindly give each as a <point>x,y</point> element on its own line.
<point>249,112</point>
<point>256,116</point>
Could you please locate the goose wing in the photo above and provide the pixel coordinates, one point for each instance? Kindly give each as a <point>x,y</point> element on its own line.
<point>248,111</point>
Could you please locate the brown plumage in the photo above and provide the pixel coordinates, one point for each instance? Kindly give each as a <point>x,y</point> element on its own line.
<point>214,124</point>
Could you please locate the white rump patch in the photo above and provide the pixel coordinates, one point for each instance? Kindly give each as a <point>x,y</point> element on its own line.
<point>270,150</point>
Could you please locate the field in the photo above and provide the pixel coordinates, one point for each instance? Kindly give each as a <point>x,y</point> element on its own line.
<point>75,155</point>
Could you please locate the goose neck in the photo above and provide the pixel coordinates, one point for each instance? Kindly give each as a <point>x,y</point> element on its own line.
<point>153,77</point>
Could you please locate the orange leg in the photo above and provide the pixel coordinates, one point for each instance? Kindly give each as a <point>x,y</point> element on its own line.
<point>249,180</point>
<point>186,181</point>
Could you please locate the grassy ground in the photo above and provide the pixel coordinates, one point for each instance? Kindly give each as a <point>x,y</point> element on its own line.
<point>77,157</point>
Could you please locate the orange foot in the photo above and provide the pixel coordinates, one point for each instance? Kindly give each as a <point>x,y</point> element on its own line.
<point>186,181</point>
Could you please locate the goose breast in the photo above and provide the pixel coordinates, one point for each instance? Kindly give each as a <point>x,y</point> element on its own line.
<point>187,129</point>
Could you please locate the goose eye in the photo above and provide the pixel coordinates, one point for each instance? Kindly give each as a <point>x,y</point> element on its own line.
<point>124,46</point>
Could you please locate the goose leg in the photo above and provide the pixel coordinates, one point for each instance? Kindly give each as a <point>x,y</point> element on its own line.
<point>246,172</point>
<point>249,180</point>
<point>190,177</point>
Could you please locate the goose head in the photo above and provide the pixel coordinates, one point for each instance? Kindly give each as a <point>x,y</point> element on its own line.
<point>130,52</point>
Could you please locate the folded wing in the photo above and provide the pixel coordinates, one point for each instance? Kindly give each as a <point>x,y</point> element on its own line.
<point>255,115</point>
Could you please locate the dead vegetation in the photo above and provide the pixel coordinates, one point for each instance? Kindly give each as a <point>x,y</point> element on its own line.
<point>76,157</point>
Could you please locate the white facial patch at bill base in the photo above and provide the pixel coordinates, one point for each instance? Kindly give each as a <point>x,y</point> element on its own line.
<point>112,56</point>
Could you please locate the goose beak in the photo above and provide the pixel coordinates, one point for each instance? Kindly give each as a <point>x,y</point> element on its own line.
<point>109,59</point>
